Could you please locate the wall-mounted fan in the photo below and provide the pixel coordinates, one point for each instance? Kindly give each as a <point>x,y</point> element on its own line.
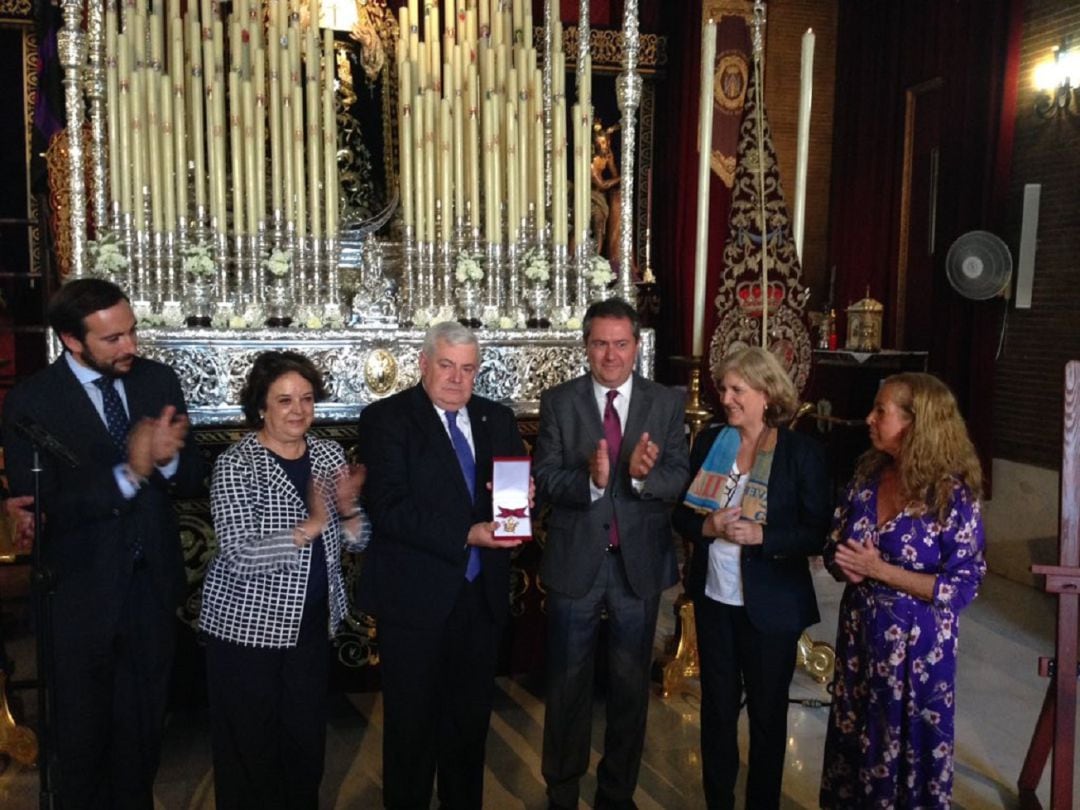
<point>979,266</point>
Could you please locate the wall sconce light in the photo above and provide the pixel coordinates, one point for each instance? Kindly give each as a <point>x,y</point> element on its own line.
<point>1057,81</point>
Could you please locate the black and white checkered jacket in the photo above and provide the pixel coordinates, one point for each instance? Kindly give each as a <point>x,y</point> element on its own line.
<point>254,588</point>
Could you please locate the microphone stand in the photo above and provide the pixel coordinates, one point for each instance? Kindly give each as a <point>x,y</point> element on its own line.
<point>41,439</point>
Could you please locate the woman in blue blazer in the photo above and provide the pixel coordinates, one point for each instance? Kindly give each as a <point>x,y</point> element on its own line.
<point>757,507</point>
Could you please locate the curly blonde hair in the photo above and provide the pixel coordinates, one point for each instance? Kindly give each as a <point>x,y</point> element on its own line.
<point>935,451</point>
<point>763,372</point>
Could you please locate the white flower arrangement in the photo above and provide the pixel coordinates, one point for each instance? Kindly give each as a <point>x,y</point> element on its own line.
<point>599,271</point>
<point>537,267</point>
<point>278,263</point>
<point>172,315</point>
<point>423,318</point>
<point>106,257</point>
<point>467,268</point>
<point>571,324</point>
<point>506,322</point>
<point>238,322</point>
<point>197,261</point>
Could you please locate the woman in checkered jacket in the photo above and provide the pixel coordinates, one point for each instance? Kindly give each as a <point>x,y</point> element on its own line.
<point>284,505</point>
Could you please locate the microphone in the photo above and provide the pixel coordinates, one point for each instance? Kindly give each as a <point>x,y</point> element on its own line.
<point>43,439</point>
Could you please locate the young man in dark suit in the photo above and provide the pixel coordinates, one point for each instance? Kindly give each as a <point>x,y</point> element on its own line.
<point>110,538</point>
<point>611,458</point>
<point>434,576</point>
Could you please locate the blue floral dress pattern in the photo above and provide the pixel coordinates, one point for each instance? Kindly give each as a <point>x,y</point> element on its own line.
<point>890,734</point>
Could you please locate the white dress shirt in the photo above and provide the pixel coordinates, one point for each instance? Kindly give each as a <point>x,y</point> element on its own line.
<point>622,408</point>
<point>463,423</point>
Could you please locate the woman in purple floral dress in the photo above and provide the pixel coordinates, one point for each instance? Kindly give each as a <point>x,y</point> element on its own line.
<point>908,539</point>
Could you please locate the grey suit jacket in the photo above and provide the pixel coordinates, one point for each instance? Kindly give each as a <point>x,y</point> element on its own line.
<point>570,427</point>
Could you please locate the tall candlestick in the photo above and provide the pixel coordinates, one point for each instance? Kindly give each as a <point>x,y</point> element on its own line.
<point>179,116</point>
<point>802,149</point>
<point>705,120</point>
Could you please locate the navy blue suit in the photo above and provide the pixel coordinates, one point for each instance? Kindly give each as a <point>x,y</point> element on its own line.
<point>438,634</point>
<point>113,619</point>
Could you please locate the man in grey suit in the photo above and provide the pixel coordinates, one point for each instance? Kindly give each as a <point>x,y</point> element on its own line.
<point>611,458</point>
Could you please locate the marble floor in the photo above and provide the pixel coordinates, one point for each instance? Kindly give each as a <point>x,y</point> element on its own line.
<point>999,694</point>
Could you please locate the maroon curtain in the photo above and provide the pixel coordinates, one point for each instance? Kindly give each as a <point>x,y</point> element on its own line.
<point>675,194</point>
<point>883,49</point>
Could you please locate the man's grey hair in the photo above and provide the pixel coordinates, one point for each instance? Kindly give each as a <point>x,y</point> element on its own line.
<point>452,333</point>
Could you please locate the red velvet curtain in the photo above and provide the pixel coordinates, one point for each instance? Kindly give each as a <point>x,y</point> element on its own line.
<point>675,193</point>
<point>883,49</point>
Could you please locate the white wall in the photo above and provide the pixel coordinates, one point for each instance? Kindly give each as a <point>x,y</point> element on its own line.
<point>1022,519</point>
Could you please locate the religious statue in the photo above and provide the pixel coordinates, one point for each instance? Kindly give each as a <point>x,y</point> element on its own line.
<point>606,193</point>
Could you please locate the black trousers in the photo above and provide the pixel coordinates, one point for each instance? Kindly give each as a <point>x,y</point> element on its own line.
<point>573,628</point>
<point>111,687</point>
<point>438,686</point>
<point>268,719</point>
<point>736,658</point>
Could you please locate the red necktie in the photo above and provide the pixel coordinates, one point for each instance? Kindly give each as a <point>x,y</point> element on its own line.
<point>613,435</point>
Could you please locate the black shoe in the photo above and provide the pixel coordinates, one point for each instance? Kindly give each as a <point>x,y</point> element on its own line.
<point>604,803</point>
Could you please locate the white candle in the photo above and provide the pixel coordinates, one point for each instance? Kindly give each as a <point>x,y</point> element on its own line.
<point>513,181</point>
<point>802,150</point>
<point>138,140</point>
<point>446,154</point>
<point>489,168</point>
<point>314,134</point>
<point>218,123</point>
<point>405,145</point>
<point>575,120</point>
<point>558,203</point>
<point>458,114</point>
<point>538,163</point>
<point>260,132</point>
<point>297,127</point>
<point>330,182</point>
<point>168,184</point>
<point>196,99</point>
<point>112,97</point>
<point>705,119</point>
<point>236,153</point>
<point>417,186</point>
<point>475,150</point>
<point>123,71</point>
<point>431,146</point>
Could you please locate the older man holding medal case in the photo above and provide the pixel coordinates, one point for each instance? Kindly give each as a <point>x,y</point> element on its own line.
<point>437,576</point>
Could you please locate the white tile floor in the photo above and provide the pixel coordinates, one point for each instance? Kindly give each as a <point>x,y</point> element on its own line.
<point>999,694</point>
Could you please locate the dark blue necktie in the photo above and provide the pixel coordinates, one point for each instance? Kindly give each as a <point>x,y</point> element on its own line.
<point>116,418</point>
<point>468,469</point>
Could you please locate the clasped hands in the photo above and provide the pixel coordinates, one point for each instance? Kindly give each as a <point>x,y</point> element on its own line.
<point>857,561</point>
<point>345,487</point>
<point>642,459</point>
<point>483,534</point>
<point>727,524</point>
